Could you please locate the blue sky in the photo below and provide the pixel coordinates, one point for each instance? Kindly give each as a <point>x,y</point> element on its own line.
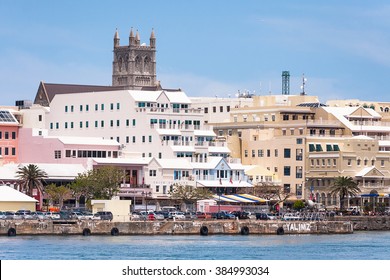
<point>206,48</point>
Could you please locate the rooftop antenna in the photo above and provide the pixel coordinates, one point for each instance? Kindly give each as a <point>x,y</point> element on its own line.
<point>303,84</point>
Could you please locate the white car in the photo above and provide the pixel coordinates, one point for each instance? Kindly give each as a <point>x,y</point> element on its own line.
<point>178,215</point>
<point>53,215</point>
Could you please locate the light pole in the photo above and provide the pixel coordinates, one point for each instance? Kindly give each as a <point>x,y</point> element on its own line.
<point>146,194</point>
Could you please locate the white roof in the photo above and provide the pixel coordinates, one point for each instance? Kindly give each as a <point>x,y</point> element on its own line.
<point>177,163</point>
<point>168,131</point>
<point>204,133</point>
<point>152,96</point>
<point>211,163</point>
<point>214,149</point>
<point>70,140</point>
<point>8,194</point>
<point>124,161</point>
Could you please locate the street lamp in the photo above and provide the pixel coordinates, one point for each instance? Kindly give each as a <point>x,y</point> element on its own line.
<point>146,194</point>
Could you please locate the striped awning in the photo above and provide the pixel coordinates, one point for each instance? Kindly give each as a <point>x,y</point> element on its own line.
<point>239,198</point>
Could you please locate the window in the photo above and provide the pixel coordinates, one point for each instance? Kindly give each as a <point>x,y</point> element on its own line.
<point>287,153</point>
<point>127,122</point>
<point>298,189</point>
<point>253,153</point>
<point>102,107</point>
<point>159,155</point>
<point>382,163</point>
<point>66,109</point>
<point>13,151</point>
<point>299,154</point>
<point>311,148</point>
<point>214,109</point>
<point>118,106</point>
<point>329,148</point>
<point>260,153</point>
<point>96,123</point>
<point>57,125</point>
<point>246,153</point>
<point>318,148</point>
<point>133,122</point>
<point>87,107</point>
<point>276,152</point>
<point>81,124</point>
<point>127,139</point>
<point>268,153</point>
<point>227,108</point>
<point>102,123</point>
<point>112,106</point>
<point>86,124</point>
<point>143,139</point>
<point>66,125</point>
<point>336,148</point>
<point>81,108</point>
<point>13,133</point>
<point>133,139</point>
<point>299,141</point>
<point>150,138</point>
<point>287,171</point>
<point>206,110</point>
<point>96,107</point>
<point>285,117</point>
<point>152,173</point>
<point>57,154</point>
<point>118,123</point>
<point>71,108</point>
<point>71,124</point>
<point>111,123</point>
<point>286,188</point>
<point>298,172</point>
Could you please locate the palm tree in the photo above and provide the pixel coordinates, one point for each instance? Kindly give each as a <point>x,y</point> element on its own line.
<point>344,186</point>
<point>31,177</point>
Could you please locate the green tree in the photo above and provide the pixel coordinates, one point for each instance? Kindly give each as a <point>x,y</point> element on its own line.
<point>344,187</point>
<point>31,177</point>
<point>58,193</point>
<point>298,205</point>
<point>100,183</point>
<point>188,194</point>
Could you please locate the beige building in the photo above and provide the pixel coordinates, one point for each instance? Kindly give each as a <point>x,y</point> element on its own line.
<point>306,145</point>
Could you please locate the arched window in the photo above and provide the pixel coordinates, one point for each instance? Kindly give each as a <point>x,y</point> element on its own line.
<point>147,64</point>
<point>138,64</point>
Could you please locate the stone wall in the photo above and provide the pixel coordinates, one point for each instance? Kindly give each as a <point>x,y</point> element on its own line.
<point>172,227</point>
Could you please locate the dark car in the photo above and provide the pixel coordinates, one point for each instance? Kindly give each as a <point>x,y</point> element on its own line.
<point>262,216</point>
<point>103,215</point>
<point>240,214</point>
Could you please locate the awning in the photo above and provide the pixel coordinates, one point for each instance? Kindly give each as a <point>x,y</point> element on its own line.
<point>239,198</point>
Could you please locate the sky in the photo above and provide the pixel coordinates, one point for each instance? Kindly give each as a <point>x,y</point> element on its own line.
<point>206,48</point>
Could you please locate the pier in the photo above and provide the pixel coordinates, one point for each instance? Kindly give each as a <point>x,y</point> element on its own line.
<point>168,227</point>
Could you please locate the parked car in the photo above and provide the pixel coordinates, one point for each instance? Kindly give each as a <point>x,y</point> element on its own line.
<point>165,214</point>
<point>53,215</point>
<point>190,215</point>
<point>158,216</point>
<point>203,215</point>
<point>2,215</point>
<point>240,214</point>
<point>222,215</point>
<point>178,215</point>
<point>291,217</point>
<point>87,215</point>
<point>103,215</point>
<point>40,215</point>
<point>9,215</point>
<point>78,215</point>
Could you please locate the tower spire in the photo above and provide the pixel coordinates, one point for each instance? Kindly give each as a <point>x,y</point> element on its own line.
<point>116,38</point>
<point>131,37</point>
<point>152,39</point>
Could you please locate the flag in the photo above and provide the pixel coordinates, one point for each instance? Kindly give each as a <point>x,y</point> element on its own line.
<point>231,180</point>
<point>220,181</point>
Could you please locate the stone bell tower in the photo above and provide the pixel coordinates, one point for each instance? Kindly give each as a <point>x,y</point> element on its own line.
<point>134,66</point>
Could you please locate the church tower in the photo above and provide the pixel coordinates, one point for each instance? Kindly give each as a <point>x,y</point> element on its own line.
<point>134,66</point>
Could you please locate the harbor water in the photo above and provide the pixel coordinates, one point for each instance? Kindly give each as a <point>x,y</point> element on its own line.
<point>356,246</point>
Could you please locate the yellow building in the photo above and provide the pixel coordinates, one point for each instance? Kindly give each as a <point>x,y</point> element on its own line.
<point>13,200</point>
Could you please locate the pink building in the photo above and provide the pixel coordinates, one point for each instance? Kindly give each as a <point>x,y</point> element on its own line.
<point>63,150</point>
<point>9,127</point>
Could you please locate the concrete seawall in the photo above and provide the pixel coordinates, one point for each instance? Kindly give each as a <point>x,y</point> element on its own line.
<point>244,227</point>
